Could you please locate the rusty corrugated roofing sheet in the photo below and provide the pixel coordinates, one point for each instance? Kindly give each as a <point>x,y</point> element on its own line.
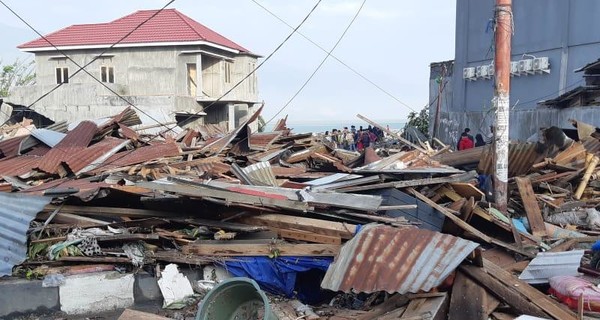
<point>76,140</point>
<point>83,158</point>
<point>10,147</point>
<point>18,165</point>
<point>87,189</point>
<point>384,258</point>
<point>140,155</point>
<point>16,212</point>
<point>521,156</point>
<point>262,141</point>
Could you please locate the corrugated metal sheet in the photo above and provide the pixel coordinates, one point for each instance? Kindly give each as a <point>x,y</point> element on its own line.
<point>261,172</point>
<point>592,145</point>
<point>285,172</point>
<point>384,258</point>
<point>76,140</point>
<point>103,149</point>
<point>16,213</point>
<point>140,155</point>
<point>19,165</point>
<point>48,137</point>
<point>407,162</point>
<point>521,156</point>
<point>549,264</point>
<point>10,147</point>
<point>86,188</point>
<point>263,141</point>
<point>220,144</point>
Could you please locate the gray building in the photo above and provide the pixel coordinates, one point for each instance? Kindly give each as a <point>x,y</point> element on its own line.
<point>552,39</point>
<point>170,65</point>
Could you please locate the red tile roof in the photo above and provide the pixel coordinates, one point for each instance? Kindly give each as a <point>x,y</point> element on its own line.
<point>169,25</point>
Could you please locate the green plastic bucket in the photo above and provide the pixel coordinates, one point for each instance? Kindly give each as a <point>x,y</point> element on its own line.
<point>235,298</point>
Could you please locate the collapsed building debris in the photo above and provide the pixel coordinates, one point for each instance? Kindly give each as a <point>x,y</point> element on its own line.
<point>298,215</point>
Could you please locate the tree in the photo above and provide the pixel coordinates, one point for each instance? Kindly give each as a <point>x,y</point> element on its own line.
<point>18,73</point>
<point>419,120</point>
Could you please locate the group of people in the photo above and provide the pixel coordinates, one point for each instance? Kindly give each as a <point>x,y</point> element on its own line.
<point>466,140</point>
<point>353,139</point>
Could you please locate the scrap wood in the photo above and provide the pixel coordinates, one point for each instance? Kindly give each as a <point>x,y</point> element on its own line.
<point>467,190</point>
<point>306,236</point>
<point>532,208</point>
<point>261,249</point>
<point>411,183</point>
<point>590,168</point>
<point>391,304</point>
<point>434,308</point>
<point>330,228</point>
<point>516,293</point>
<point>469,300</point>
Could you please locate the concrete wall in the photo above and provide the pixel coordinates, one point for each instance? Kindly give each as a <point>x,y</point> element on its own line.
<point>155,77</point>
<point>562,30</point>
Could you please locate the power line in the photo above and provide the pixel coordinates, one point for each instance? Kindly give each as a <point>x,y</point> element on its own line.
<point>356,72</point>
<point>295,30</point>
<point>82,68</point>
<point>320,64</point>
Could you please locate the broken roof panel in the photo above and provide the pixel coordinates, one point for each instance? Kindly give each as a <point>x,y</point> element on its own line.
<point>549,264</point>
<point>94,154</point>
<point>140,155</point>
<point>19,165</point>
<point>383,258</point>
<point>261,172</point>
<point>16,213</point>
<point>262,141</point>
<point>76,140</point>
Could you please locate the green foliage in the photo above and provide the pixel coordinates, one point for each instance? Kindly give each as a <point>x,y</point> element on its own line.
<point>419,120</point>
<point>37,248</point>
<point>18,73</point>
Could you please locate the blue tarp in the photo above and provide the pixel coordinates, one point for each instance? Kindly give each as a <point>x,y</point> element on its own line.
<point>276,275</point>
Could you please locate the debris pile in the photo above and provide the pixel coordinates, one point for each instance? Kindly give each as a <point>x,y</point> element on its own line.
<point>402,231</point>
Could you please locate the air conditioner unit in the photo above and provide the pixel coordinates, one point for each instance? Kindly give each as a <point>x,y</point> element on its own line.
<point>541,64</point>
<point>491,70</point>
<point>526,66</point>
<point>469,73</point>
<point>514,68</point>
<point>481,71</point>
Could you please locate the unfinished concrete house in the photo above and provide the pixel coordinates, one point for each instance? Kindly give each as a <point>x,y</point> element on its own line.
<point>170,66</point>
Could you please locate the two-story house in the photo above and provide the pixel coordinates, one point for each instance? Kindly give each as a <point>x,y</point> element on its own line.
<point>170,64</point>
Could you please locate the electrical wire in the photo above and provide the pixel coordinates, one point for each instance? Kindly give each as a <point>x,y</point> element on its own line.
<point>258,66</point>
<point>320,64</point>
<point>82,68</point>
<point>356,72</point>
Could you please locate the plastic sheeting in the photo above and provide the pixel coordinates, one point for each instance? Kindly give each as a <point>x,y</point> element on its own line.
<point>276,275</point>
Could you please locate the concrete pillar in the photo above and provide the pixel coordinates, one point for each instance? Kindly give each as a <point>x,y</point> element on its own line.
<point>199,90</point>
<point>230,116</point>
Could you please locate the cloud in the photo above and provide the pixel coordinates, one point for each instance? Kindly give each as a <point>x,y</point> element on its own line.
<point>347,8</point>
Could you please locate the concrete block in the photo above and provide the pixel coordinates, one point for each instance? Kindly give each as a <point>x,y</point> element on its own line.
<point>96,292</point>
<point>21,296</point>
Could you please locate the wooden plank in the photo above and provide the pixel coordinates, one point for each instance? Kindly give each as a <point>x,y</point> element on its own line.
<point>467,190</point>
<point>330,228</point>
<point>532,208</point>
<point>550,306</point>
<point>129,314</point>
<point>505,293</point>
<point>390,304</point>
<point>469,300</point>
<point>262,249</point>
<point>307,236</point>
<point>465,226</point>
<point>434,308</point>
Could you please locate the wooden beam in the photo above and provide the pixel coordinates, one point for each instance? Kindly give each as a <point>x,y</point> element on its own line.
<point>518,294</point>
<point>469,300</point>
<point>307,236</point>
<point>532,208</point>
<point>129,314</point>
<point>329,228</point>
<point>467,190</point>
<point>262,249</point>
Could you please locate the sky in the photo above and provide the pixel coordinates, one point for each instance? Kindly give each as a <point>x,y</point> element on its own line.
<point>391,43</point>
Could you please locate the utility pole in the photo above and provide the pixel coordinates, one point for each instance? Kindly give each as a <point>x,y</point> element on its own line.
<point>503,33</point>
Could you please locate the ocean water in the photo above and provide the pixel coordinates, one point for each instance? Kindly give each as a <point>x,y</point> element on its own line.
<point>319,127</point>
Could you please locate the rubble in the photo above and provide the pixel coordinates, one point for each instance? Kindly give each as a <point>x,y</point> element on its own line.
<point>297,215</point>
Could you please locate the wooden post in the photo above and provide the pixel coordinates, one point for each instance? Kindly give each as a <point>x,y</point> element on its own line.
<point>586,177</point>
